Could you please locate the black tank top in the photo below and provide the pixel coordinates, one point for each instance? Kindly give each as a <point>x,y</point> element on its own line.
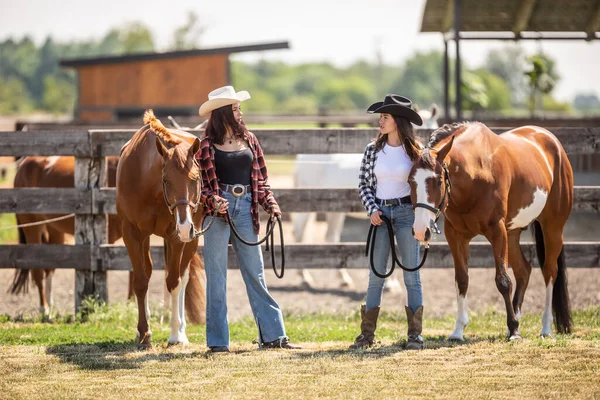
<point>234,166</point>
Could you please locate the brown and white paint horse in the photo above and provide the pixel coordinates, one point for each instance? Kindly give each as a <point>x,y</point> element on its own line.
<point>158,192</point>
<point>498,185</point>
<point>59,172</point>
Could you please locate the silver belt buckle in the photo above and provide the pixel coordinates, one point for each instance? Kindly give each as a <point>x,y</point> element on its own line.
<point>238,190</point>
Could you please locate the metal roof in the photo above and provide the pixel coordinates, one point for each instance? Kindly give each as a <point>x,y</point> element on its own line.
<point>515,16</point>
<point>173,54</point>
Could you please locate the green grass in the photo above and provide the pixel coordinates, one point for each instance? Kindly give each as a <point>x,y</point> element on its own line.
<point>8,236</point>
<point>98,359</point>
<point>116,324</point>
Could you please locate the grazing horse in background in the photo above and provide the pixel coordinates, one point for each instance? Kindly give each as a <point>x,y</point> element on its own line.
<point>158,192</point>
<point>495,186</point>
<point>59,172</point>
<point>337,171</point>
<point>51,172</point>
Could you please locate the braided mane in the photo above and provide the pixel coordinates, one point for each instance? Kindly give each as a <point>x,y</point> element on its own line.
<point>158,128</point>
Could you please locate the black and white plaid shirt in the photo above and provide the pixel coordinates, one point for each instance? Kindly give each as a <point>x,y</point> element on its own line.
<point>367,181</point>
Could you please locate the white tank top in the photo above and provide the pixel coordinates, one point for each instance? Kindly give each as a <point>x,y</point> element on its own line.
<point>392,169</point>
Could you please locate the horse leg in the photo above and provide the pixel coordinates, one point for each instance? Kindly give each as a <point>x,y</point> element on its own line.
<point>135,245</point>
<point>555,276</point>
<point>177,278</point>
<point>498,238</point>
<point>459,246</point>
<point>301,221</point>
<point>521,268</point>
<point>333,234</point>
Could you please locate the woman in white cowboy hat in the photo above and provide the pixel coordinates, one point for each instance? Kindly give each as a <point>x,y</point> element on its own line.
<point>384,190</point>
<point>234,179</point>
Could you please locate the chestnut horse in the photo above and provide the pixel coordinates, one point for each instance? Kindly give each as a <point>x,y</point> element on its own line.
<point>158,192</point>
<point>59,172</point>
<point>51,172</point>
<point>495,186</point>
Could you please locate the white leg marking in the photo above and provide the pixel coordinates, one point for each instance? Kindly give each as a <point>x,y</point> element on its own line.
<point>462,318</point>
<point>178,335</point>
<point>547,317</point>
<point>48,289</point>
<point>527,214</point>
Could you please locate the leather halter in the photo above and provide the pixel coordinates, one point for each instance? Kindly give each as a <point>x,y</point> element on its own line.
<point>445,198</point>
<point>186,202</point>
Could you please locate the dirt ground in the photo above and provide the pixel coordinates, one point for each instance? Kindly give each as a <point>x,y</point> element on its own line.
<point>327,296</point>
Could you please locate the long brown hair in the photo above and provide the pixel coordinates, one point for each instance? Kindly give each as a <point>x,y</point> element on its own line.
<point>220,120</point>
<point>408,138</point>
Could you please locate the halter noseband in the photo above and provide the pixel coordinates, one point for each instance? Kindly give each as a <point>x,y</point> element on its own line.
<point>445,198</point>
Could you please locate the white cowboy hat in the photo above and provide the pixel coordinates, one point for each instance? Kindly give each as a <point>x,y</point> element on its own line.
<point>220,97</point>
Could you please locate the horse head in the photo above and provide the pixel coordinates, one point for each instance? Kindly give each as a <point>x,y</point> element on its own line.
<point>429,117</point>
<point>429,189</point>
<point>181,184</point>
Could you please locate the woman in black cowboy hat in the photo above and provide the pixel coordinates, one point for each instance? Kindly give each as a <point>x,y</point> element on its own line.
<point>384,190</point>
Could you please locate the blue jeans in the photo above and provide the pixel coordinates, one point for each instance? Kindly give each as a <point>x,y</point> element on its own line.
<point>402,217</point>
<point>267,313</point>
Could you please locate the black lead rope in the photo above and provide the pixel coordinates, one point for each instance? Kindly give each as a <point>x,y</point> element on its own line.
<point>371,246</point>
<point>269,237</point>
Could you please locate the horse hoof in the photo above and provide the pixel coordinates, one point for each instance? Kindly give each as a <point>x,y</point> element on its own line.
<point>456,338</point>
<point>515,337</point>
<point>546,335</point>
<point>144,346</point>
<point>178,343</point>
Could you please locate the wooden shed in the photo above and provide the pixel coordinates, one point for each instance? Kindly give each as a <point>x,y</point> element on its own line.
<point>175,83</point>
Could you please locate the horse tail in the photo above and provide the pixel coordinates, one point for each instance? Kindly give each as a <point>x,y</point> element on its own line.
<point>195,292</point>
<point>20,283</point>
<point>560,295</point>
<point>158,128</point>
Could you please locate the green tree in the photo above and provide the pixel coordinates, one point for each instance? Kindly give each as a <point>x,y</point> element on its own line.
<point>59,96</point>
<point>421,79</point>
<point>541,80</point>
<point>137,38</point>
<point>189,34</point>
<point>509,64</point>
<point>14,97</point>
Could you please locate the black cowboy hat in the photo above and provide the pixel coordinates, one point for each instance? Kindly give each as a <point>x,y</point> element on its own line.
<point>396,105</point>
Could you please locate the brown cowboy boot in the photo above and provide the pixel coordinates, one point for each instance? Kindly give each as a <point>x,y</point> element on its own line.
<point>415,327</point>
<point>367,328</point>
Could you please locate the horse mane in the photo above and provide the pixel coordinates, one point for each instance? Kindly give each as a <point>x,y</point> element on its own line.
<point>158,128</point>
<point>440,134</point>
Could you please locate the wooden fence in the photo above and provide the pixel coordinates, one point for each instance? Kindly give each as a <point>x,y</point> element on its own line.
<point>90,201</point>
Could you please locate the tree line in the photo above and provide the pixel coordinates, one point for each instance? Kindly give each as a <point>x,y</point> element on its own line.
<point>509,81</point>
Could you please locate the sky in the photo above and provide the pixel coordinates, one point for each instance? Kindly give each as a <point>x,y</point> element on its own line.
<point>336,31</point>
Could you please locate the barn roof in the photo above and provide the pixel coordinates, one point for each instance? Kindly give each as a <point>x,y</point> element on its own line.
<point>172,54</point>
<point>515,17</point>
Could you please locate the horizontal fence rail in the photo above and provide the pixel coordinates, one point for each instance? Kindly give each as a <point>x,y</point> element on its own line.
<point>91,201</point>
<point>339,255</point>
<point>108,142</point>
<point>99,201</point>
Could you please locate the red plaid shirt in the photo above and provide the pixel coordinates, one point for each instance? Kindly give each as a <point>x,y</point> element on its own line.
<point>261,190</point>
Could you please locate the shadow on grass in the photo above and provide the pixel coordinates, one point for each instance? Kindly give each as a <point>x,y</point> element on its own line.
<point>106,356</point>
<point>387,350</point>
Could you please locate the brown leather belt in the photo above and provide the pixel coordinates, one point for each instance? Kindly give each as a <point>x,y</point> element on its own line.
<point>237,190</point>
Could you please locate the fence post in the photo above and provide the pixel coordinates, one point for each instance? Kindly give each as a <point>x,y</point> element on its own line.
<point>91,229</point>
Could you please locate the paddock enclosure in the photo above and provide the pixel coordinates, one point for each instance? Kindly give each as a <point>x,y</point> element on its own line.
<point>90,200</point>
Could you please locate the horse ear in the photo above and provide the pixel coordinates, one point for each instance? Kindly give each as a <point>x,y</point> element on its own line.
<point>195,147</point>
<point>443,152</point>
<point>160,147</point>
<point>435,110</point>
